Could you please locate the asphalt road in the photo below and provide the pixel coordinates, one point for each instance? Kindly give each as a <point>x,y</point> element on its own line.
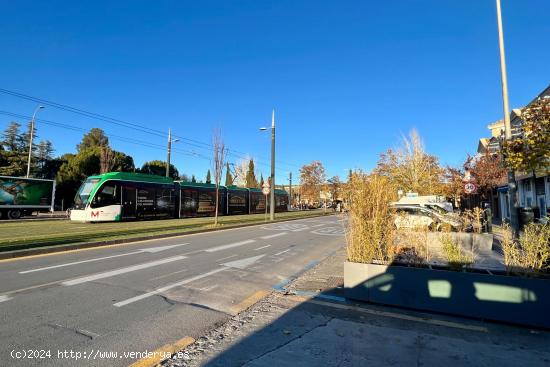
<point>138,297</point>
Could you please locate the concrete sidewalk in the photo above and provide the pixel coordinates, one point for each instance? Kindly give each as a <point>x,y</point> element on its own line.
<point>309,324</point>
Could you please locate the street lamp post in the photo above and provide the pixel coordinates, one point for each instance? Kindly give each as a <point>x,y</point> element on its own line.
<point>512,186</point>
<point>272,179</point>
<point>30,139</point>
<point>170,141</point>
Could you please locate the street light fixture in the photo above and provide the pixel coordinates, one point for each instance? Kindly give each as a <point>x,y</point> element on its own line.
<point>170,141</point>
<point>272,178</point>
<point>512,186</point>
<point>39,107</point>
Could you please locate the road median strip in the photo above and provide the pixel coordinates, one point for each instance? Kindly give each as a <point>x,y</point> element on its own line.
<point>26,246</point>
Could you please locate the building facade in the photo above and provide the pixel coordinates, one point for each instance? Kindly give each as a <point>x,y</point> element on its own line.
<point>533,188</point>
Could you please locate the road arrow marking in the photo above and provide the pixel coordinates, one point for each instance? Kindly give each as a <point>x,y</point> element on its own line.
<point>243,263</point>
<point>165,288</point>
<point>4,298</point>
<point>239,264</point>
<point>127,269</point>
<point>151,250</point>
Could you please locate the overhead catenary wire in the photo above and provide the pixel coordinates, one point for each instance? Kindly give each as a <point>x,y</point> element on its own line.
<point>132,125</point>
<point>111,136</point>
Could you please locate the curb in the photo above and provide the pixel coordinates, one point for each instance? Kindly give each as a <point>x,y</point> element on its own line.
<point>77,246</point>
<point>156,356</point>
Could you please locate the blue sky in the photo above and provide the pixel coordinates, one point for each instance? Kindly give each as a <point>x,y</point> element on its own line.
<point>346,78</point>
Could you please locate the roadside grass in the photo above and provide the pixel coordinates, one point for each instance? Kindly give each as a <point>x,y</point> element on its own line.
<point>24,235</point>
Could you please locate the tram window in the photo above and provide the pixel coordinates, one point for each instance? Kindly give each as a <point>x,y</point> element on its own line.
<point>107,195</point>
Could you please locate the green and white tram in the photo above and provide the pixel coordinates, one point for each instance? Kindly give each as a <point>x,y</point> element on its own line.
<point>119,196</point>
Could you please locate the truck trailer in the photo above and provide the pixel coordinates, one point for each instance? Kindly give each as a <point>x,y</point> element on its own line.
<point>23,196</point>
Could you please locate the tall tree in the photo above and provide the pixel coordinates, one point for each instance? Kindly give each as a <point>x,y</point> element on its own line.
<point>228,175</point>
<point>193,178</point>
<point>410,168</point>
<point>488,170</point>
<point>453,186</point>
<point>11,138</point>
<point>123,162</point>
<point>13,161</point>
<point>251,181</point>
<point>95,138</point>
<point>334,187</point>
<point>312,177</point>
<point>44,154</point>
<point>218,161</point>
<point>3,156</point>
<point>25,138</point>
<point>106,159</point>
<point>208,177</point>
<point>158,168</point>
<point>241,171</point>
<point>531,151</point>
<point>261,183</point>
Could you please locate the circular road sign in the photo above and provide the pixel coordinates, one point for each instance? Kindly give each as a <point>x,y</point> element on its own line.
<point>470,188</point>
<point>266,188</point>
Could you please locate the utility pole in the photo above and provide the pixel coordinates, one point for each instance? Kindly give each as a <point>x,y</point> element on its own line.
<point>169,151</point>
<point>290,188</point>
<point>30,140</point>
<point>512,186</point>
<point>272,195</point>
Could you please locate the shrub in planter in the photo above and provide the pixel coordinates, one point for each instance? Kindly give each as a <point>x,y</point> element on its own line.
<point>530,254</point>
<point>370,233</point>
<point>380,257</point>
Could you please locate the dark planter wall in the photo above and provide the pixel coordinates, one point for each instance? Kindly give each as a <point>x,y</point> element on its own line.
<point>494,297</point>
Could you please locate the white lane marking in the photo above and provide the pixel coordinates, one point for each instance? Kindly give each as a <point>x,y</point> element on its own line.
<point>239,264</point>
<point>319,225</point>
<point>231,245</point>
<point>273,235</point>
<point>80,262</point>
<point>165,288</point>
<point>243,263</point>
<point>127,269</point>
<point>282,252</point>
<point>225,258</point>
<point>151,250</point>
<point>259,248</point>
<point>4,298</point>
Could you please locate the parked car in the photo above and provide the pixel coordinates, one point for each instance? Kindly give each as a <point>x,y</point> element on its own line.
<point>416,216</point>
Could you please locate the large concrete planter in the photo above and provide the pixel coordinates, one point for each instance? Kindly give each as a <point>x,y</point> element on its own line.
<point>511,299</point>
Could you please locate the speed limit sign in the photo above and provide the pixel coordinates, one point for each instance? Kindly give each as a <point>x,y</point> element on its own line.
<point>266,190</point>
<point>470,188</point>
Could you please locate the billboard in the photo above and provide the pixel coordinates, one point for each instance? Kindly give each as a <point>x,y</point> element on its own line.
<point>15,191</point>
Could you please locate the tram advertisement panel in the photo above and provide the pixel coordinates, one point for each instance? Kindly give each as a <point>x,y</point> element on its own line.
<point>199,202</point>
<point>237,202</point>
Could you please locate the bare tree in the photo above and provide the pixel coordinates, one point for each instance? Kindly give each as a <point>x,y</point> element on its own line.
<point>312,177</point>
<point>410,168</point>
<point>241,170</point>
<point>218,161</point>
